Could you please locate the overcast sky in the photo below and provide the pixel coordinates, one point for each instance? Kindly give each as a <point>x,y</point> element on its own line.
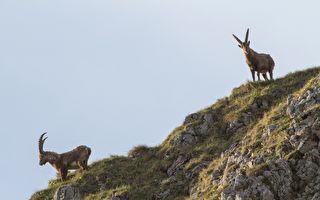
<point>112,74</point>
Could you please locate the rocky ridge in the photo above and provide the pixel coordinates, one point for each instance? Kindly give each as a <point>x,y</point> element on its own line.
<point>262,142</point>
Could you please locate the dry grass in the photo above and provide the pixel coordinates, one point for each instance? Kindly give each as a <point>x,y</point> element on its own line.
<point>143,172</point>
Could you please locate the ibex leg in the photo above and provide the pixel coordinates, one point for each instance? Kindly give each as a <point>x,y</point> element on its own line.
<point>253,75</point>
<point>265,76</point>
<point>63,174</point>
<point>83,165</point>
<point>271,74</point>
<point>258,76</point>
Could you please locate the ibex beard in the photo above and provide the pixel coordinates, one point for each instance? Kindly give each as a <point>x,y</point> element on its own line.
<point>71,160</point>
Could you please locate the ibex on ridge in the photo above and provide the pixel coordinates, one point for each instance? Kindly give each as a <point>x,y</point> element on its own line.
<point>74,159</point>
<point>257,62</point>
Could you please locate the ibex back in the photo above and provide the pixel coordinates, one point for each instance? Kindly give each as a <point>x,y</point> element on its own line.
<point>257,62</point>
<point>74,159</point>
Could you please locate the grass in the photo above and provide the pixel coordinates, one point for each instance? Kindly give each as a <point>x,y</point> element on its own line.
<point>142,173</point>
<point>257,170</point>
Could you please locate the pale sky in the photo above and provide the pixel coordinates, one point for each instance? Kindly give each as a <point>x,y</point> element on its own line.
<point>112,74</point>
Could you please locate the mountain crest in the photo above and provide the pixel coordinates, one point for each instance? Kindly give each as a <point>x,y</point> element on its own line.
<point>261,142</point>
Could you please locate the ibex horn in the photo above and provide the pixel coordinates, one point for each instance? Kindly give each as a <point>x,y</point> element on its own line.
<point>247,36</point>
<point>41,141</point>
<point>240,42</point>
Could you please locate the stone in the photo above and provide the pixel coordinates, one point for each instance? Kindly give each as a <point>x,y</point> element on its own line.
<point>177,165</point>
<point>208,118</point>
<point>267,195</point>
<point>298,106</point>
<point>197,169</point>
<point>307,144</point>
<point>306,170</point>
<point>265,104</point>
<point>240,182</point>
<point>315,129</point>
<point>185,139</point>
<point>67,192</point>
<point>207,122</point>
<point>280,176</point>
<point>316,196</point>
<point>271,128</point>
<point>191,118</point>
<point>234,126</point>
<point>228,194</point>
<point>161,195</point>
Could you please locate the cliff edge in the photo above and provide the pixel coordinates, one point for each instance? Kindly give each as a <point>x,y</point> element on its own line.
<point>261,142</point>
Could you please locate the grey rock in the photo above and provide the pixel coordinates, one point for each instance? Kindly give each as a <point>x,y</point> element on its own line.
<point>258,160</point>
<point>234,126</point>
<point>191,118</point>
<point>228,194</point>
<point>240,182</point>
<point>298,106</point>
<point>192,133</point>
<point>306,170</point>
<point>265,104</point>
<point>280,176</point>
<point>177,165</point>
<point>246,188</point>
<point>271,128</point>
<point>162,195</point>
<point>315,129</point>
<point>67,192</point>
<point>197,169</point>
<point>316,196</point>
<point>267,195</point>
<point>185,139</point>
<point>306,145</point>
<point>203,129</point>
<point>237,124</point>
<point>215,175</point>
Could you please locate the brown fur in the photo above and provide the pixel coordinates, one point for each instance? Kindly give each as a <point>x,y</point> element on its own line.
<point>74,159</point>
<point>257,62</point>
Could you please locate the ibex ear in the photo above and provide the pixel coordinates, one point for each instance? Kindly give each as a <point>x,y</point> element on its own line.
<point>239,46</point>
<point>248,43</point>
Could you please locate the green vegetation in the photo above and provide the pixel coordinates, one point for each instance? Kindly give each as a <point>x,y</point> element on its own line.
<point>143,173</point>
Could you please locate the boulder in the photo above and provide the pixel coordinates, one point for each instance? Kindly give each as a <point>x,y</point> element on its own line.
<point>177,165</point>
<point>67,192</point>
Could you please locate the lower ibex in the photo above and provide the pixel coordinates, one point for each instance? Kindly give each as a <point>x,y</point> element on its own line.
<point>74,159</point>
<point>257,62</point>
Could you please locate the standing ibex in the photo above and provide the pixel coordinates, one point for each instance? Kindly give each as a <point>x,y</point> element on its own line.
<point>257,62</point>
<point>74,159</point>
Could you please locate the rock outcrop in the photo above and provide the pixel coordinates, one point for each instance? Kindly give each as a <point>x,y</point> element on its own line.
<point>261,143</point>
<point>67,192</point>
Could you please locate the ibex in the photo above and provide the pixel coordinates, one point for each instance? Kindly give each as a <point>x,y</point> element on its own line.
<point>257,62</point>
<point>74,159</point>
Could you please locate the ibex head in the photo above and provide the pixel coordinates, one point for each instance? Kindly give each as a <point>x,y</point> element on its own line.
<point>244,45</point>
<point>42,154</point>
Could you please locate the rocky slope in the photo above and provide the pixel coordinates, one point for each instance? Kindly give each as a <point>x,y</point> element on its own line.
<point>261,142</point>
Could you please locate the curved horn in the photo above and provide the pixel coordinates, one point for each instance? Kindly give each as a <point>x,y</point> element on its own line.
<point>41,142</point>
<point>240,42</point>
<point>247,36</point>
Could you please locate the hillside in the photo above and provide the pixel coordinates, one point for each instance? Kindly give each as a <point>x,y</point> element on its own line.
<point>261,142</point>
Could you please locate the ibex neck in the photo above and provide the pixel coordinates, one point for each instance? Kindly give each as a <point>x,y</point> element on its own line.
<point>251,53</point>
<point>52,157</point>
<point>250,58</point>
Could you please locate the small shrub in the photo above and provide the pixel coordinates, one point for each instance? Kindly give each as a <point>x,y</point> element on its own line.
<point>139,151</point>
